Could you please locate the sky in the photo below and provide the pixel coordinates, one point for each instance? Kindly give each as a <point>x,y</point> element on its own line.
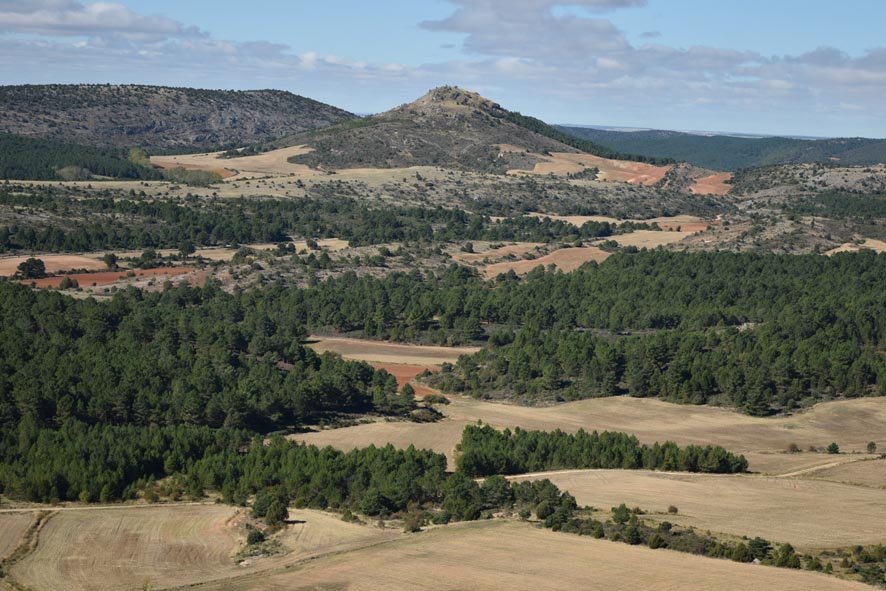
<point>779,67</point>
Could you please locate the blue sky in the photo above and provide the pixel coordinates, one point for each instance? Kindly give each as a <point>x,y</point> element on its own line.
<point>780,67</point>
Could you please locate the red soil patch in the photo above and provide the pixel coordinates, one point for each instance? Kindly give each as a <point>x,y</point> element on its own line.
<point>109,277</point>
<point>406,373</point>
<point>222,172</point>
<point>714,184</point>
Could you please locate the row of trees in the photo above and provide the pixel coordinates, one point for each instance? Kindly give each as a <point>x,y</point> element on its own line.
<point>132,222</point>
<point>485,451</point>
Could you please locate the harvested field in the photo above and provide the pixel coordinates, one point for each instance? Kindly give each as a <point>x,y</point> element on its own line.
<point>799,511</point>
<point>795,464</point>
<point>715,184</point>
<point>171,546</point>
<point>868,244</point>
<point>565,259</point>
<point>109,277</point>
<point>649,238</point>
<point>493,254</point>
<point>579,220</point>
<point>12,527</point>
<point>564,163</point>
<point>510,556</point>
<point>315,533</point>
<point>385,352</point>
<point>865,473</point>
<point>851,423</point>
<point>125,548</point>
<point>406,373</point>
<point>274,162</point>
<point>55,263</point>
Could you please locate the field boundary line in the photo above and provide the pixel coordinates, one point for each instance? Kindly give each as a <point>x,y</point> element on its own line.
<point>26,546</point>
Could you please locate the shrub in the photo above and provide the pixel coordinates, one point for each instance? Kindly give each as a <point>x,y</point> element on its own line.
<point>255,536</point>
<point>833,448</point>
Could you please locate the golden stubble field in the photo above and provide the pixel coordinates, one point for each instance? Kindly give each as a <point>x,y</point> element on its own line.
<point>166,547</point>
<point>510,556</point>
<point>851,423</point>
<point>807,513</point>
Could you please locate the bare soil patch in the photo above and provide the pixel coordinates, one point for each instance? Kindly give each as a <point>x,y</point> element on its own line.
<point>406,373</point>
<point>715,184</point>
<point>388,353</point>
<point>109,277</point>
<point>563,163</point>
<point>565,259</point>
<point>509,556</point>
<point>799,511</point>
<point>55,263</point>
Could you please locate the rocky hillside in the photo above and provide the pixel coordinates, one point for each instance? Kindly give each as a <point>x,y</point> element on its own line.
<point>157,117</point>
<point>448,127</point>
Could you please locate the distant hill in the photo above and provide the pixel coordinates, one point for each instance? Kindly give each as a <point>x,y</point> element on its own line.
<point>447,127</point>
<point>720,152</point>
<point>157,117</point>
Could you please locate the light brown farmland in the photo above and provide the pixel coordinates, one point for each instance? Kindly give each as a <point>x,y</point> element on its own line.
<point>55,263</point>
<point>565,259</point>
<point>851,423</point>
<point>385,352</point>
<point>171,546</point>
<point>275,162</point>
<point>12,527</point>
<point>866,473</point>
<point>649,238</point>
<point>799,511</point>
<point>509,556</point>
<point>125,548</point>
<point>563,163</point>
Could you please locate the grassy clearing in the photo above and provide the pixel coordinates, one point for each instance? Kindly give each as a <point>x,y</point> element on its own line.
<point>514,556</point>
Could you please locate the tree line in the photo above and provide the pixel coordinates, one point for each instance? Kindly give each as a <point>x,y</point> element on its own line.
<point>485,451</point>
<point>135,221</point>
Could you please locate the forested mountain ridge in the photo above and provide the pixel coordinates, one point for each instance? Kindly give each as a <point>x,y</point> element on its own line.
<point>722,152</point>
<point>448,127</point>
<point>158,117</point>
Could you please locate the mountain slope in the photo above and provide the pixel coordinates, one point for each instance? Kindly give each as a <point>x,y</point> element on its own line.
<point>158,117</point>
<point>447,127</point>
<point>721,152</point>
